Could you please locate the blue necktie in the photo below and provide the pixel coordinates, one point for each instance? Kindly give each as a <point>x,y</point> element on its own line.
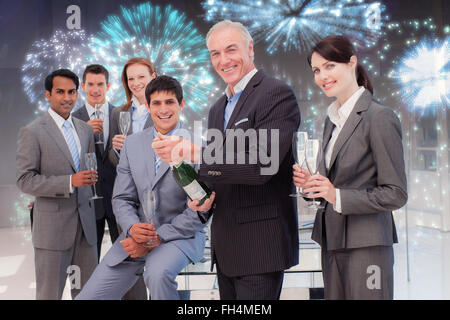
<point>157,163</point>
<point>70,139</point>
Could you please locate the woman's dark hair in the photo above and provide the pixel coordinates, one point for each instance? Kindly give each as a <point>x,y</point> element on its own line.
<point>340,49</point>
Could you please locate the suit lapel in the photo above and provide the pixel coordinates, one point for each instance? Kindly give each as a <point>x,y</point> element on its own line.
<point>350,125</point>
<point>149,156</point>
<point>84,114</point>
<point>254,81</point>
<point>220,114</point>
<point>161,171</point>
<point>148,122</point>
<point>102,150</point>
<point>52,129</point>
<point>111,108</point>
<point>327,132</point>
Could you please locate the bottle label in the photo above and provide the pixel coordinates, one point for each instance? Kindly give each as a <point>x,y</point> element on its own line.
<point>194,190</point>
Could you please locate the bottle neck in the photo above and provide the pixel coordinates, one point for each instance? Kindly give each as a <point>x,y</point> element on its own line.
<point>175,164</point>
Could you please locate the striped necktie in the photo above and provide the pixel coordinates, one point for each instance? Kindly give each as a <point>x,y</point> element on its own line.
<point>157,163</point>
<point>70,140</point>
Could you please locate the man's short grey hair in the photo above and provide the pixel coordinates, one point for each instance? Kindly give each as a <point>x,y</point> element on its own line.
<point>230,24</point>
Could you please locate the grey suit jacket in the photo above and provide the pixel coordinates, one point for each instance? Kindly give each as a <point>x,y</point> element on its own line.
<point>114,129</point>
<point>367,165</point>
<point>44,167</point>
<point>175,222</point>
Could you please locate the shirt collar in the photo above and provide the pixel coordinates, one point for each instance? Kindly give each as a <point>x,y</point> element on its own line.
<point>338,115</point>
<point>137,106</point>
<point>155,133</point>
<point>60,120</point>
<point>240,86</point>
<point>90,109</point>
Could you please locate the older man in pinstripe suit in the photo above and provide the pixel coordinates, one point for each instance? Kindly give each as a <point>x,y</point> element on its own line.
<point>254,227</point>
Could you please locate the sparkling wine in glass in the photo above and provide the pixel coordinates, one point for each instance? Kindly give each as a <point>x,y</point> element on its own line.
<point>148,202</point>
<point>124,122</point>
<point>98,115</point>
<point>299,141</point>
<point>313,157</point>
<point>91,164</point>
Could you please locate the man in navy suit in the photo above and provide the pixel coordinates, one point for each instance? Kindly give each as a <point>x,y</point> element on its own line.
<point>254,227</point>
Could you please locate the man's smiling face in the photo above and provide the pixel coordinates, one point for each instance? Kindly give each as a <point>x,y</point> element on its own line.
<point>231,56</point>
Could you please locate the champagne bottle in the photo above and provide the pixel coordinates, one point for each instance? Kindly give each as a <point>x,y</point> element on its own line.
<point>187,178</point>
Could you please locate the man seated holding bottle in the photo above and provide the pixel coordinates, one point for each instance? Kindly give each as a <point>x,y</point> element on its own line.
<point>163,231</point>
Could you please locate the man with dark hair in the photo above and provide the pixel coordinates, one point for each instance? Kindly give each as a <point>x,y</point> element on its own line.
<point>96,84</point>
<point>50,166</point>
<point>174,235</point>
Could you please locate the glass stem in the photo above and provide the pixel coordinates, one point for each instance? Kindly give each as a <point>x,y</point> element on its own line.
<point>95,190</point>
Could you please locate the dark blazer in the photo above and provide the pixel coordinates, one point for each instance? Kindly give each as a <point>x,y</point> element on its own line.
<point>114,129</point>
<point>254,226</point>
<point>367,166</point>
<point>106,169</point>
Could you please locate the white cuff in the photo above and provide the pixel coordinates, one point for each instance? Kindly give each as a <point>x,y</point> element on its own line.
<point>71,187</point>
<point>337,206</point>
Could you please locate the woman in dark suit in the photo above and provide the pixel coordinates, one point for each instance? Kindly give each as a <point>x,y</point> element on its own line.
<point>362,178</point>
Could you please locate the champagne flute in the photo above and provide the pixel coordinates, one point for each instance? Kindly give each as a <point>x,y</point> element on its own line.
<point>299,141</point>
<point>124,122</point>
<point>149,206</point>
<point>91,164</point>
<point>98,115</point>
<point>313,157</point>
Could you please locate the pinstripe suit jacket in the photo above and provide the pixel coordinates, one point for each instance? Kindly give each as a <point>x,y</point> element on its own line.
<point>254,226</point>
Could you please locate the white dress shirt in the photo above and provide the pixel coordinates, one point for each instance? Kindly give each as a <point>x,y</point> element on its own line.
<point>59,123</point>
<point>240,86</point>
<point>104,115</point>
<point>338,116</point>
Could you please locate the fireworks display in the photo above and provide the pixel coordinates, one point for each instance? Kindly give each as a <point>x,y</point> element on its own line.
<point>424,74</point>
<point>295,25</point>
<point>165,37</point>
<point>64,49</point>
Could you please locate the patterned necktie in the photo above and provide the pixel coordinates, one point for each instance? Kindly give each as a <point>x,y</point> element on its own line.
<point>70,140</point>
<point>157,163</point>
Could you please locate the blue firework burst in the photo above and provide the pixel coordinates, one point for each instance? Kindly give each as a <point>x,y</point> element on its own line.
<point>163,35</point>
<point>297,24</point>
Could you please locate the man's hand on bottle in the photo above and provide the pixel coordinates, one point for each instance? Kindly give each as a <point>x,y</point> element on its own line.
<point>206,206</point>
<point>175,149</point>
